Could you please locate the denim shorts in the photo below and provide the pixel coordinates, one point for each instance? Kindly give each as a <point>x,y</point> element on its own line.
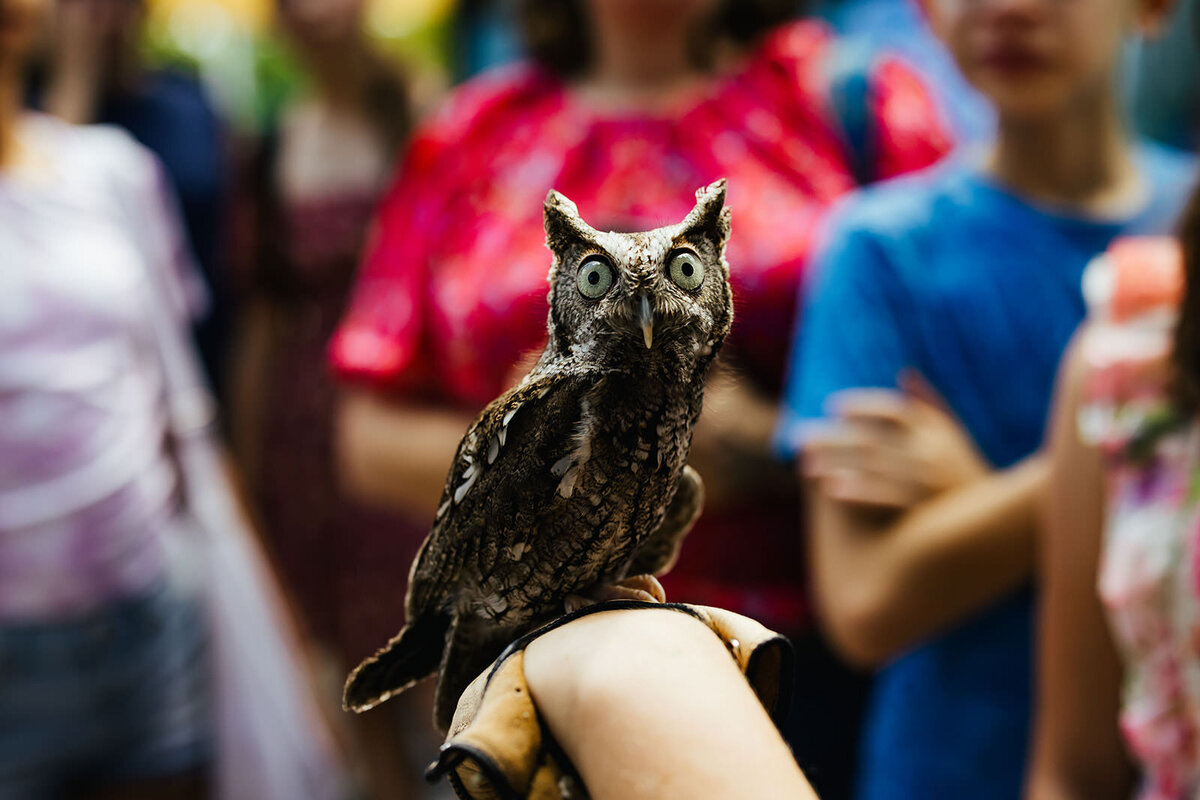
<point>122,694</point>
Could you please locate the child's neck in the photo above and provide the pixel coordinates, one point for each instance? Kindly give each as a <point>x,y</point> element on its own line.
<point>1080,159</point>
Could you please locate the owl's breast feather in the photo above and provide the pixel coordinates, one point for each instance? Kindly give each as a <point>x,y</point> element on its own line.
<point>584,477</point>
<point>618,476</point>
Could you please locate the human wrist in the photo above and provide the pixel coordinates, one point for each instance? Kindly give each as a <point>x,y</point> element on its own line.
<point>966,471</point>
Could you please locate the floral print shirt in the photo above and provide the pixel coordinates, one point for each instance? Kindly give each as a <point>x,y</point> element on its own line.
<point>1149,578</point>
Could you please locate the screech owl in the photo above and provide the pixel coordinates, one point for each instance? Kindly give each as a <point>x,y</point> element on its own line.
<point>577,476</point>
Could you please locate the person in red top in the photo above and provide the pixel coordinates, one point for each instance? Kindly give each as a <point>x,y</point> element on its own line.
<point>627,107</point>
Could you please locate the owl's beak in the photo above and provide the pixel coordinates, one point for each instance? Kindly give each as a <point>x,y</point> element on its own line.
<point>646,321</point>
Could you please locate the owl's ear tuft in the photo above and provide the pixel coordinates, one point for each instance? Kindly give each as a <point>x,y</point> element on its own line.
<point>710,217</point>
<point>562,220</point>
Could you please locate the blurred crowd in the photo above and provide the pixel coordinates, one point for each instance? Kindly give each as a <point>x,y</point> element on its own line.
<point>951,451</point>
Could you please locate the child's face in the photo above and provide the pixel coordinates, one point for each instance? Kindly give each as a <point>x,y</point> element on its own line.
<point>1038,57</point>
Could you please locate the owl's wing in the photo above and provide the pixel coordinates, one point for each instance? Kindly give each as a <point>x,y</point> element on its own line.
<point>659,552</point>
<point>500,478</point>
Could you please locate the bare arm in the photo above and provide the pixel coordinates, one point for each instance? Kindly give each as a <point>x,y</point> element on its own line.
<point>888,579</point>
<point>1077,751</point>
<point>247,391</point>
<point>650,705</point>
<point>396,455</point>
<point>731,448</point>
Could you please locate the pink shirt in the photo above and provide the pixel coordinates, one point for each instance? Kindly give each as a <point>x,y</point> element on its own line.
<point>85,484</point>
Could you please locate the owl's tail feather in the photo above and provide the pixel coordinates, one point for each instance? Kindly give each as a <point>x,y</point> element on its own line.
<point>413,654</point>
<point>472,645</point>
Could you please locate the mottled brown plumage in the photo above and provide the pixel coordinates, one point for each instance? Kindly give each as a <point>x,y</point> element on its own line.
<point>577,476</point>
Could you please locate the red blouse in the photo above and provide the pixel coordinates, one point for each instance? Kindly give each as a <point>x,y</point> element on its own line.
<point>453,289</point>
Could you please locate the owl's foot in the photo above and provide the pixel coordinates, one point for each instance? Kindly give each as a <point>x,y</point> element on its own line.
<point>636,587</point>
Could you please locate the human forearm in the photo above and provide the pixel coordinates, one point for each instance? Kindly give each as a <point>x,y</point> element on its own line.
<point>887,582</point>
<point>1114,782</point>
<point>247,377</point>
<point>1078,752</point>
<point>731,446</point>
<point>649,704</point>
<point>1043,787</point>
<point>396,456</point>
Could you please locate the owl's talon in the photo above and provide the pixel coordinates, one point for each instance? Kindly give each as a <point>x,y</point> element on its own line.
<point>630,594</point>
<point>645,583</point>
<point>645,588</point>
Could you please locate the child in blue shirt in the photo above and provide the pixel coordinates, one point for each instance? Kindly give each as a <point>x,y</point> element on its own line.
<point>922,374</point>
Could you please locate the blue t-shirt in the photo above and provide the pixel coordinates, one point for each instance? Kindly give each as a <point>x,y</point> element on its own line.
<point>950,274</point>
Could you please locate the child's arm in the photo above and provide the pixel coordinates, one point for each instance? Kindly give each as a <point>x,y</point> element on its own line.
<point>910,529</point>
<point>1078,752</point>
<point>887,579</point>
<point>394,454</point>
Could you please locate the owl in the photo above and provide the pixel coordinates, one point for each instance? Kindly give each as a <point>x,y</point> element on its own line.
<point>575,479</point>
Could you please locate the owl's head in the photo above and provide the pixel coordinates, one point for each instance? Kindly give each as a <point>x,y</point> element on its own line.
<point>626,296</point>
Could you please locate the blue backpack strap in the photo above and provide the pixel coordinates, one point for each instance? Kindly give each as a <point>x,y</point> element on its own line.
<point>849,65</point>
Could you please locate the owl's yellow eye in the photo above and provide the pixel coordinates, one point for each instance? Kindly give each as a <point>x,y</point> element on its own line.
<point>686,270</point>
<point>595,278</point>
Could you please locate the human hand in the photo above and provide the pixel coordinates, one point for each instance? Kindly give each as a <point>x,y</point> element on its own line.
<point>891,449</point>
<point>640,704</point>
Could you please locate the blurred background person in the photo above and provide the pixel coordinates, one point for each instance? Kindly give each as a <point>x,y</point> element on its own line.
<point>1118,696</point>
<point>143,649</point>
<point>105,681</point>
<point>92,71</point>
<point>921,420</point>
<point>626,107</point>
<point>1160,74</point>
<point>318,175</point>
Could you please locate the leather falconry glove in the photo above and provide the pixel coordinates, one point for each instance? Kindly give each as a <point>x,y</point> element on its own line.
<point>498,749</point>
